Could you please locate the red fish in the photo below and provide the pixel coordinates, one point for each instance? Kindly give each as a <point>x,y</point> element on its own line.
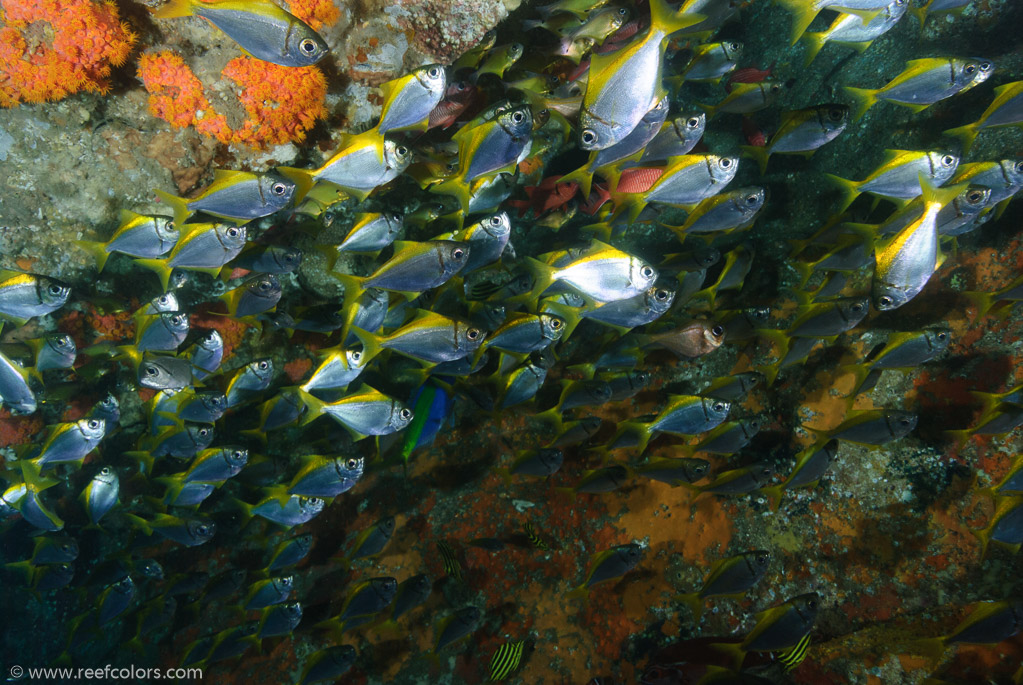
<point>549,196</point>
<point>619,37</point>
<point>599,196</point>
<point>754,136</point>
<point>638,180</point>
<point>748,75</point>
<point>457,99</point>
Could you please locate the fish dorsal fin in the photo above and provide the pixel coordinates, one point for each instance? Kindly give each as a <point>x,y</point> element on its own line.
<point>221,176</point>
<point>891,155</point>
<point>401,246</point>
<point>918,66</point>
<point>391,88</point>
<point>127,216</point>
<point>424,315</point>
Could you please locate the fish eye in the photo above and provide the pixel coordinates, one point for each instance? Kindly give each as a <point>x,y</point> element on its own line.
<point>356,355</point>
<point>948,160</point>
<point>661,295</point>
<point>105,471</point>
<point>725,162</point>
<point>406,414</point>
<point>264,365</point>
<point>856,307</point>
<point>885,301</point>
<point>177,319</point>
<point>762,559</point>
<point>647,272</point>
<point>458,253</point>
<point>495,221</point>
<point>401,150</point>
<point>836,114</point>
<point>55,289</point>
<point>904,421</point>
<point>623,12</point>
<point>352,463</point>
<point>239,454</point>
<point>518,117</point>
<point>588,137</point>
<point>969,69</point>
<point>1019,167</point>
<point>434,72</point>
<point>751,199</point>
<point>472,333</point>
<point>308,46</point>
<point>985,66</point>
<point>692,122</point>
<point>717,331</point>
<point>812,603</point>
<point>202,530</point>
<point>233,232</point>
<point>93,424</point>
<point>152,371</point>
<point>278,189</point>
<point>556,324</point>
<point>941,336</point>
<point>203,432</point>
<point>735,47</point>
<point>975,196</point>
<point>720,406</point>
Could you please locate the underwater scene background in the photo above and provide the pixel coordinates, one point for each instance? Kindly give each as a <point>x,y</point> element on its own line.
<point>451,341</point>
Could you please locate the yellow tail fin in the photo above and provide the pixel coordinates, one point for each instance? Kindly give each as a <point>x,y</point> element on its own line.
<point>98,251</point>
<point>850,190</point>
<point>760,154</point>
<point>803,14</point>
<point>814,42</point>
<point>662,16</point>
<point>967,134</point>
<point>864,98</point>
<point>178,204</point>
<point>302,178</point>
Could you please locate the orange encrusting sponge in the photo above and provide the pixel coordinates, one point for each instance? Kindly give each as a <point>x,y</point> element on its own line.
<point>50,49</point>
<point>281,103</point>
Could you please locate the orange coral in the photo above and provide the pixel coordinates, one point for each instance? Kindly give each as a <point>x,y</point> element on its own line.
<point>282,103</point>
<point>316,13</point>
<point>50,49</point>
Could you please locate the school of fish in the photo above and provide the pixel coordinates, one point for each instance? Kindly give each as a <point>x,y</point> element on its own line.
<point>527,236</point>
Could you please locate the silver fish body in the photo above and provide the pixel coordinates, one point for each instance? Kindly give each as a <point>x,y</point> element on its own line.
<point>677,137</point>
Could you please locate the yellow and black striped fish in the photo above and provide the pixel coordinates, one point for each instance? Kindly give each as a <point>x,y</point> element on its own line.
<point>506,659</point>
<point>451,565</point>
<point>794,655</point>
<point>535,538</point>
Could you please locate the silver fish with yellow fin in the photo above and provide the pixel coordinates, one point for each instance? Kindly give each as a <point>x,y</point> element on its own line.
<point>608,114</point>
<point>260,27</point>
